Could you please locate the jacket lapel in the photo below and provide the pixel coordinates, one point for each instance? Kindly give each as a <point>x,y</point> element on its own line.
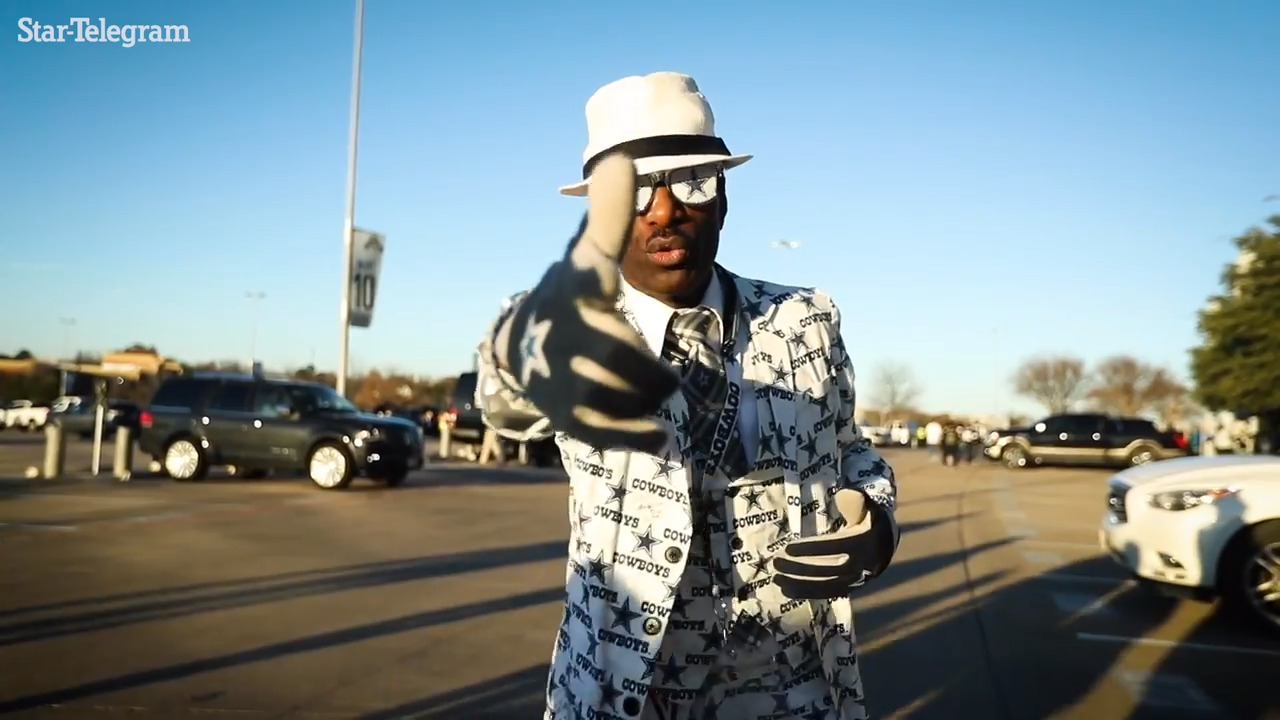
<point>766,367</point>
<point>760,363</point>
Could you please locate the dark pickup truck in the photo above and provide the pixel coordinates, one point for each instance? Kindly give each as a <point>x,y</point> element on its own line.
<point>1084,439</point>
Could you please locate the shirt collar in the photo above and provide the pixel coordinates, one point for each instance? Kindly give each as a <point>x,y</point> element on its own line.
<point>652,316</point>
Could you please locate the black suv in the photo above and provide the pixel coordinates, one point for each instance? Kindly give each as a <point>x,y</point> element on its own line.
<point>1084,439</point>
<point>260,424</point>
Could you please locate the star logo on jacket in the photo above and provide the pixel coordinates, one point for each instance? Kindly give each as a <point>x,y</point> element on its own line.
<point>781,439</point>
<point>598,569</point>
<point>761,566</point>
<point>672,670</point>
<point>623,616</point>
<point>780,374</point>
<point>609,693</point>
<point>617,492</point>
<point>645,541</point>
<point>810,446</point>
<point>713,639</point>
<point>664,466</point>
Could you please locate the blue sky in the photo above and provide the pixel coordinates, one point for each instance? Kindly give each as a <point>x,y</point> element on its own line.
<point>973,187</point>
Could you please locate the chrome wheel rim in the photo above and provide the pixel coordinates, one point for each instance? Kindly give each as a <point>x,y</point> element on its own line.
<point>327,467</point>
<point>1142,458</point>
<point>181,460</point>
<point>1262,582</point>
<point>1014,458</point>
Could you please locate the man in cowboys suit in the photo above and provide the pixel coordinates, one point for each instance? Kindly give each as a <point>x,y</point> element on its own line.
<point>723,504</point>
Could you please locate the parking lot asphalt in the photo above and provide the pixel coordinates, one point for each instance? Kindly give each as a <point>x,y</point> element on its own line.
<point>272,599</point>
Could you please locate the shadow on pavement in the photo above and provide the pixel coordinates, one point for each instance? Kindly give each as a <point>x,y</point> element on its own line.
<point>178,602</point>
<point>456,474</point>
<point>264,653</point>
<point>515,696</point>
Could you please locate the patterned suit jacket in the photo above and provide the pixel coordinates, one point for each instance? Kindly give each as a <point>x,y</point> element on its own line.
<point>630,515</point>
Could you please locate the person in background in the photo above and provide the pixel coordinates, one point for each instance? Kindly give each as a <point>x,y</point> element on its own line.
<point>950,444</point>
<point>933,437</point>
<point>919,440</point>
<point>969,442</point>
<point>491,448</point>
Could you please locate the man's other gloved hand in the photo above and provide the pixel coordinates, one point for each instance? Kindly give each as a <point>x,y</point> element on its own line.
<point>830,566</point>
<point>575,356</point>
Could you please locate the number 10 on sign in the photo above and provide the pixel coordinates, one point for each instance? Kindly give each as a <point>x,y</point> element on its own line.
<point>366,264</point>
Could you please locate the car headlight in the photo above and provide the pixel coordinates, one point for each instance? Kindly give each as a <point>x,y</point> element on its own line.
<point>365,436</point>
<point>1178,500</point>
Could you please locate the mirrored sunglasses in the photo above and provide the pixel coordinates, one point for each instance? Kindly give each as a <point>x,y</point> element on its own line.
<point>689,186</point>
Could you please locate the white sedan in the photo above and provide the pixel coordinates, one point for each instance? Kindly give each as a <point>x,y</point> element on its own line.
<point>1206,525</point>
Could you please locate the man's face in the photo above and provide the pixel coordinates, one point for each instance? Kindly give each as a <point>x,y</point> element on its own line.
<point>673,243</point>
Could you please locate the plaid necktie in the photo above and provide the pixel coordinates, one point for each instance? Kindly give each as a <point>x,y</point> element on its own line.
<point>705,387</point>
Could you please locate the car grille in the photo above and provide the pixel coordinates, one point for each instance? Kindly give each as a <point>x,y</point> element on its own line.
<point>1115,504</point>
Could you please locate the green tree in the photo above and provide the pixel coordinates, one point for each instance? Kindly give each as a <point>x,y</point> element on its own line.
<point>1237,366</point>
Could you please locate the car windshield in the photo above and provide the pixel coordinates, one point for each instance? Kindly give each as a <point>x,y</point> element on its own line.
<point>327,399</point>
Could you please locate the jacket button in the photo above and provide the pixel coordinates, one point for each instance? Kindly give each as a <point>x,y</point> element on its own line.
<point>736,543</point>
<point>673,554</point>
<point>652,626</point>
<point>631,706</point>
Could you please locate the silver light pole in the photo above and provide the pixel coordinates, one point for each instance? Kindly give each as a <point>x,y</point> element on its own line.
<point>348,223</point>
<point>67,323</point>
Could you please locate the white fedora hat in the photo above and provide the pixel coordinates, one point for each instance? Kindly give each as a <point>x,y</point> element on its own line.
<point>661,120</point>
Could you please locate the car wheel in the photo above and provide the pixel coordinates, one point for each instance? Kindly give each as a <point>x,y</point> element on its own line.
<point>1014,457</point>
<point>184,459</point>
<point>1142,455</point>
<point>1251,575</point>
<point>329,466</point>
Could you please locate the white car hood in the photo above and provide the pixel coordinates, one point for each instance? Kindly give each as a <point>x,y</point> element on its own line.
<point>1208,467</point>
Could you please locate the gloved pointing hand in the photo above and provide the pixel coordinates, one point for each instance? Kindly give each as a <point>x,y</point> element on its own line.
<point>832,565</point>
<point>575,356</point>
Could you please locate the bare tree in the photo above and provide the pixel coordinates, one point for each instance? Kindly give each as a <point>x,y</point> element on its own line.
<point>1054,382</point>
<point>896,390</point>
<point>1127,386</point>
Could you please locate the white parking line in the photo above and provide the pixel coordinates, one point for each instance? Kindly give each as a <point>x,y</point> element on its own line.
<point>1153,642</point>
<point>1079,604</point>
<point>1164,691</point>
